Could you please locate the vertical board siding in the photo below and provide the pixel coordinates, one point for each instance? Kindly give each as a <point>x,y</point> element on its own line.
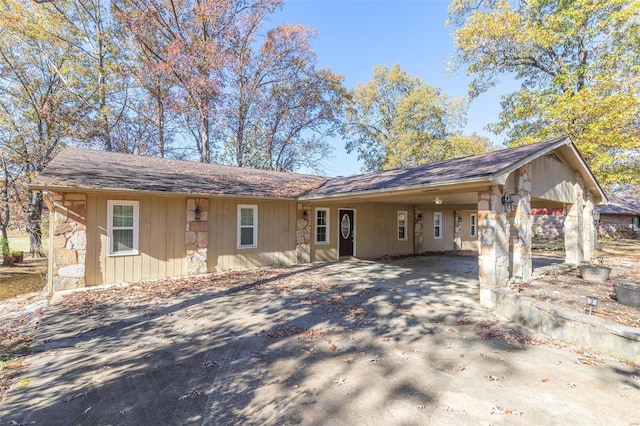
<point>276,235</point>
<point>376,230</point>
<point>552,180</point>
<point>446,243</point>
<point>468,242</point>
<point>161,241</point>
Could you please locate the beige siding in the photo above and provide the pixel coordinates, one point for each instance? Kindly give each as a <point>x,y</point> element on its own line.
<point>552,180</point>
<point>468,242</point>
<point>376,232</point>
<point>429,242</point>
<point>276,235</point>
<point>161,241</point>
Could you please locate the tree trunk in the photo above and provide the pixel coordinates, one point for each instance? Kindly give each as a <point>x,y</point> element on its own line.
<point>160,123</point>
<point>34,220</point>
<point>5,217</point>
<point>205,154</point>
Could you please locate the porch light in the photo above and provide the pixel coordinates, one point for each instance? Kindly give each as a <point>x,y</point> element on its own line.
<point>438,201</point>
<point>507,202</point>
<point>305,215</point>
<point>197,212</point>
<point>592,302</point>
<point>419,216</point>
<point>596,218</point>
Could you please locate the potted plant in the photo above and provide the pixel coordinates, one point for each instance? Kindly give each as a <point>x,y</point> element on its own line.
<point>628,290</point>
<point>595,271</point>
<point>16,257</point>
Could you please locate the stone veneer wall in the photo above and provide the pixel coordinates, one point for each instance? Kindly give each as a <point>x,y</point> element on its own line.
<point>197,236</point>
<point>573,225</point>
<point>303,234</point>
<point>418,229</point>
<point>69,241</point>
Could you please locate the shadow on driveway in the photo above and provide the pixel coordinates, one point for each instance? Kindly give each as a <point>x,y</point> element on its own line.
<point>359,342</point>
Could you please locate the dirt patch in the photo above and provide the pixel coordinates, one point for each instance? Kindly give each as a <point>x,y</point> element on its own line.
<point>566,288</point>
<point>27,277</point>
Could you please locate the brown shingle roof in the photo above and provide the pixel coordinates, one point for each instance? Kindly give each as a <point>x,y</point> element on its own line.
<point>624,204</point>
<point>88,169</point>
<point>455,170</point>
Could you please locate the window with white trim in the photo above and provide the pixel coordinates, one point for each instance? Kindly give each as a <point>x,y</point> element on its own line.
<point>322,225</point>
<point>122,227</point>
<point>636,223</point>
<point>473,225</point>
<point>402,225</point>
<point>437,225</point>
<point>247,226</point>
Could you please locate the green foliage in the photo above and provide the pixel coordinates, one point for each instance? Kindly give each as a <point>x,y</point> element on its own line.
<point>577,61</point>
<point>396,120</point>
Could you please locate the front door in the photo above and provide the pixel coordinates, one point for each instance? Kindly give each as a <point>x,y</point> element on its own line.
<point>346,232</point>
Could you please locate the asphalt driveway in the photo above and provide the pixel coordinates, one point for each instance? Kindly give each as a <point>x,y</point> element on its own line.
<point>391,342</point>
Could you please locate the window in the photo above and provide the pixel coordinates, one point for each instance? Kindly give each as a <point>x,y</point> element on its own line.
<point>402,226</point>
<point>122,227</point>
<point>322,226</point>
<point>636,223</point>
<point>437,225</point>
<point>247,226</point>
<point>474,225</point>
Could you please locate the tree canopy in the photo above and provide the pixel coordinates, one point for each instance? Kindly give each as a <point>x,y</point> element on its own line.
<point>397,120</point>
<point>577,61</point>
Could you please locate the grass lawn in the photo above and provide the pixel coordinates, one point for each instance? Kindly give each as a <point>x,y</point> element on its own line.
<point>19,243</point>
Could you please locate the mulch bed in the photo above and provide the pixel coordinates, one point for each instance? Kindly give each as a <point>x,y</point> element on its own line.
<point>567,289</point>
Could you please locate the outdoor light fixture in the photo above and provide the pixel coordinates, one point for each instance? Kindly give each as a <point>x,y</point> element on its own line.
<point>419,216</point>
<point>507,202</point>
<point>592,302</point>
<point>438,201</point>
<point>197,212</point>
<point>596,218</point>
<point>305,215</point>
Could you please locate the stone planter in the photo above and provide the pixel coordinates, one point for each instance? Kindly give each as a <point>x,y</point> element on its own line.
<point>594,273</point>
<point>627,292</point>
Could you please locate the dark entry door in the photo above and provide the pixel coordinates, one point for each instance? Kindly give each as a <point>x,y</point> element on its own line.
<point>346,232</point>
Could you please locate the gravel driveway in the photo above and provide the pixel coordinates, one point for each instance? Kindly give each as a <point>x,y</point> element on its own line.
<point>390,342</point>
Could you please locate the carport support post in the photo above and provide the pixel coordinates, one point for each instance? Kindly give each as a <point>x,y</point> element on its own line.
<point>522,264</point>
<point>493,236</point>
<point>574,224</point>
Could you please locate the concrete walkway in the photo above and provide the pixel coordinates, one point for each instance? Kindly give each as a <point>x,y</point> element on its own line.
<point>397,342</point>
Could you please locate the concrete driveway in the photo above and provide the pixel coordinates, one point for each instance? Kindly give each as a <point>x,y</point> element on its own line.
<point>396,342</point>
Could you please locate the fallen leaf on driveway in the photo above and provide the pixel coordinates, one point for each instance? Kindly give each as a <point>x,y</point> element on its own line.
<point>209,363</point>
<point>77,395</point>
<point>189,395</point>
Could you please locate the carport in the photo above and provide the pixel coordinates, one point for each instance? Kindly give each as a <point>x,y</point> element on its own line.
<point>483,203</point>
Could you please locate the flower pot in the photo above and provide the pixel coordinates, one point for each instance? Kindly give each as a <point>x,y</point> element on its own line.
<point>16,258</point>
<point>627,292</point>
<point>594,273</point>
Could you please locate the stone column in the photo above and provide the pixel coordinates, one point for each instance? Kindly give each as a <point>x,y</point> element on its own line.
<point>573,224</point>
<point>589,231</point>
<point>303,233</point>
<point>457,230</point>
<point>69,241</point>
<point>418,229</point>
<point>521,256</point>
<point>493,236</point>
<point>197,236</point>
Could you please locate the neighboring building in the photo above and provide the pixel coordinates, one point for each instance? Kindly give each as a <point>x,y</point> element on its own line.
<point>621,218</point>
<point>548,222</point>
<point>120,218</point>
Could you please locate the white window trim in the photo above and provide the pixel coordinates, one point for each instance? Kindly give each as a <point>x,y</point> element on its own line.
<point>110,228</point>
<point>473,225</point>
<point>439,215</point>
<point>253,207</point>
<point>405,226</point>
<point>327,212</point>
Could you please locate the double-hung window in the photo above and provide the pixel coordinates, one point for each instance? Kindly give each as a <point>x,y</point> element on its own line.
<point>437,225</point>
<point>636,223</point>
<point>473,225</point>
<point>122,227</point>
<point>322,226</point>
<point>247,226</point>
<point>402,226</point>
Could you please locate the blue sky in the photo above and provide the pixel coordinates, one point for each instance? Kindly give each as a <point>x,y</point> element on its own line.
<point>355,35</point>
